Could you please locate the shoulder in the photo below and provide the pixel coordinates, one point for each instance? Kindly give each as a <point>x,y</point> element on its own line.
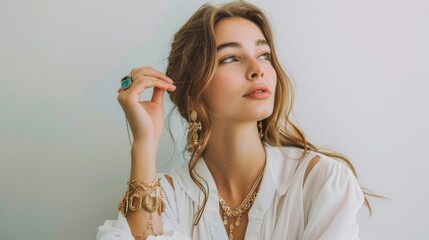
<point>331,198</point>
<point>176,176</point>
<point>306,169</point>
<point>178,170</point>
<point>330,179</point>
<point>289,159</point>
<point>310,163</point>
<point>327,167</point>
<point>283,152</point>
<point>285,166</point>
<point>179,182</point>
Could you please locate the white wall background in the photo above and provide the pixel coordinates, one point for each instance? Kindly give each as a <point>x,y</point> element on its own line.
<point>360,67</point>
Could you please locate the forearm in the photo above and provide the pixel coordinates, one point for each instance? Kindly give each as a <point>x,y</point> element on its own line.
<point>143,160</point>
<point>146,119</point>
<point>143,168</point>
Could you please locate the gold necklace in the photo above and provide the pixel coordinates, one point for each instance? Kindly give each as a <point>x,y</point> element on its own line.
<point>238,211</point>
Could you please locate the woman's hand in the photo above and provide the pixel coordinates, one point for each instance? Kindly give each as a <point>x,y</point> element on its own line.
<point>146,118</point>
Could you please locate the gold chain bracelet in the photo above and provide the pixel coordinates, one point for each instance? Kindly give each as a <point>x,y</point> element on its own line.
<point>152,200</point>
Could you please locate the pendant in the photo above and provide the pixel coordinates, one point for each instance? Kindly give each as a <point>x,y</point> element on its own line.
<point>231,228</point>
<point>237,222</point>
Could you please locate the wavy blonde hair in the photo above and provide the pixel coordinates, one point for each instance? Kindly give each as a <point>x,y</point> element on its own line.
<point>192,61</point>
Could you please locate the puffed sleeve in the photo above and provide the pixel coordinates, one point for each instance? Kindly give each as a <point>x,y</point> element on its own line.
<point>332,198</point>
<point>172,230</point>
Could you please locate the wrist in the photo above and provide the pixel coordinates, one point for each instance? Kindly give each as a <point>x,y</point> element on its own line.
<point>144,150</point>
<point>143,161</point>
<point>149,145</point>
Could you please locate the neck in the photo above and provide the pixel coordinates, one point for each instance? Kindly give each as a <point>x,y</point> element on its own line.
<point>235,155</point>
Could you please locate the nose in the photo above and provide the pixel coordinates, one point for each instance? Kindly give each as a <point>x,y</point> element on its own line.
<point>255,71</point>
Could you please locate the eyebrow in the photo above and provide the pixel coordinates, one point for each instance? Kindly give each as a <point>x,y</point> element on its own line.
<point>238,45</point>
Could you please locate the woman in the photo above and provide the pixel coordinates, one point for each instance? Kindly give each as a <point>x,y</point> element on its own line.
<point>252,174</point>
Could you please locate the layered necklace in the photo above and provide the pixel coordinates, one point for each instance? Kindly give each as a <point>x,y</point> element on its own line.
<point>238,211</point>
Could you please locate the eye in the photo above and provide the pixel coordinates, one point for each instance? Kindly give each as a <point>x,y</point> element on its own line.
<point>229,59</point>
<point>265,56</point>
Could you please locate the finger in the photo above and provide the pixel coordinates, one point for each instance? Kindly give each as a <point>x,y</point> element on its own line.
<point>158,95</point>
<point>142,83</point>
<point>133,93</point>
<point>149,71</point>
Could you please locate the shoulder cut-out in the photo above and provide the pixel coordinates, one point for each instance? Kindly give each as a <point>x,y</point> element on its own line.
<point>310,166</point>
<point>170,180</point>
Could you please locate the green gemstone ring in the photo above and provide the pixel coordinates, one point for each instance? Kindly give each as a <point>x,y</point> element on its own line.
<point>126,82</point>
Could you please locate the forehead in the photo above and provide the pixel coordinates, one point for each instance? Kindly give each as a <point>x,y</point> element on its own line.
<point>236,29</point>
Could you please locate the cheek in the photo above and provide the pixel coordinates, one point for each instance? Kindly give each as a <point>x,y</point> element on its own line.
<point>224,84</point>
<point>272,79</point>
<point>222,89</point>
<point>215,92</point>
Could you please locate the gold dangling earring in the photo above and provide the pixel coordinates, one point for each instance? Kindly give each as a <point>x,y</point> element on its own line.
<point>193,127</point>
<point>261,132</point>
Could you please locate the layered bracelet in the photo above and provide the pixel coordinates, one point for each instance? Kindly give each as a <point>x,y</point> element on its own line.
<point>146,196</point>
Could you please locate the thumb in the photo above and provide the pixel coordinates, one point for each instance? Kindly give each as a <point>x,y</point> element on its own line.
<point>157,96</point>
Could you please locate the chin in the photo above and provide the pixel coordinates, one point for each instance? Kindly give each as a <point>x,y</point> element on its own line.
<point>262,113</point>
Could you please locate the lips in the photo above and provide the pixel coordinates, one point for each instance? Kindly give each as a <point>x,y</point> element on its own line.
<point>258,92</point>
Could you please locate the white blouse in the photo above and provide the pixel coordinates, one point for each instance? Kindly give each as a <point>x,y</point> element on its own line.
<point>325,207</point>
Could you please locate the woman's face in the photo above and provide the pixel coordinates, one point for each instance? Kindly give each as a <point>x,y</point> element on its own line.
<point>244,84</point>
